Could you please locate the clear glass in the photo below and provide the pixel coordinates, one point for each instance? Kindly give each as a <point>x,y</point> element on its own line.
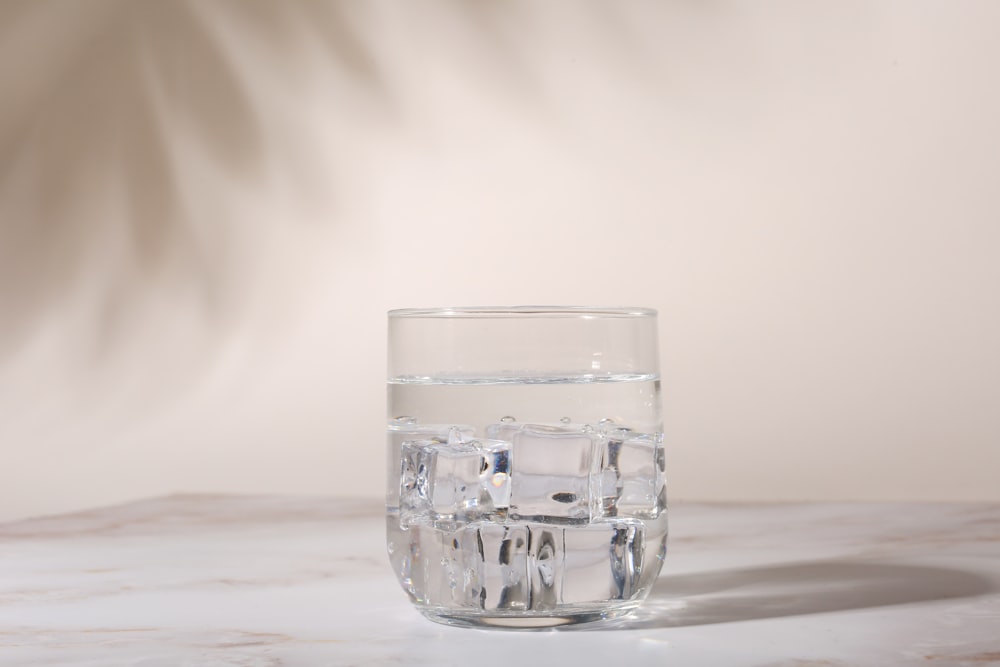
<point>525,477</point>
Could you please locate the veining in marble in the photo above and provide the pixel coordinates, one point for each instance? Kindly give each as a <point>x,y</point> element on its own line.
<point>236,580</point>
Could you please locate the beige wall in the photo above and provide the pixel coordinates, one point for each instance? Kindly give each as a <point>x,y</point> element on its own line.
<point>205,210</point>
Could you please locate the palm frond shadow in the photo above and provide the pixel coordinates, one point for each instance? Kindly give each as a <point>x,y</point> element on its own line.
<point>90,177</point>
<point>105,101</point>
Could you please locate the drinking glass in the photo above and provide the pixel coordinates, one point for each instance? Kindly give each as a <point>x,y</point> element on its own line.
<point>525,463</point>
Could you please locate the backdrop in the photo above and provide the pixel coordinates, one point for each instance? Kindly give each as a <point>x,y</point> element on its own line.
<point>206,209</point>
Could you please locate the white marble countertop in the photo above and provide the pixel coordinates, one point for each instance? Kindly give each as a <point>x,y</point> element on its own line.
<point>221,580</point>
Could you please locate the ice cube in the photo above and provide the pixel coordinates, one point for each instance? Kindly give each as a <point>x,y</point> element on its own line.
<point>400,548</point>
<point>407,428</point>
<point>629,481</point>
<point>603,561</point>
<point>546,565</point>
<point>655,546</point>
<point>550,470</point>
<point>441,567</point>
<point>505,582</point>
<point>439,481</point>
<point>573,564</point>
<point>520,566</point>
<point>640,471</point>
<point>453,482</point>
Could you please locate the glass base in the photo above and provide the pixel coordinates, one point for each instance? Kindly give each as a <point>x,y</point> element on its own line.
<point>526,621</point>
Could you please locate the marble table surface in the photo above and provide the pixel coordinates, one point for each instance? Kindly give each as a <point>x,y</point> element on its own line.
<point>240,580</point>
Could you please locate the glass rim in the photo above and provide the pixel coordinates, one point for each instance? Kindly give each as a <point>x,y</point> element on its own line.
<point>583,312</point>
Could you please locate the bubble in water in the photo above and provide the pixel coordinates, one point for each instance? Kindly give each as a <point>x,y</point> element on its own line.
<point>607,421</point>
<point>565,420</point>
<point>405,420</point>
<point>587,428</point>
<point>507,420</point>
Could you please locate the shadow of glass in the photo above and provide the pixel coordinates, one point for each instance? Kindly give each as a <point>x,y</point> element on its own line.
<point>794,589</point>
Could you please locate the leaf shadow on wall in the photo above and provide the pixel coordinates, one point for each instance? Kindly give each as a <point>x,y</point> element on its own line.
<point>115,112</point>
